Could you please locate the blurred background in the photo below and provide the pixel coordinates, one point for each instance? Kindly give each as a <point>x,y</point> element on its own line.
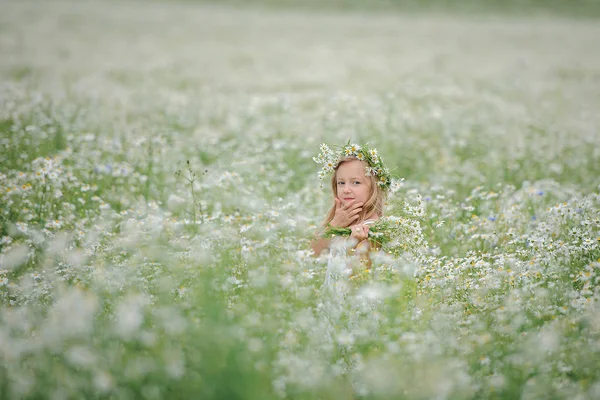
<point>584,8</point>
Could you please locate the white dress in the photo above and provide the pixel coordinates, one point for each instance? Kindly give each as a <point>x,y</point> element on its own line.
<point>346,311</point>
<point>338,262</point>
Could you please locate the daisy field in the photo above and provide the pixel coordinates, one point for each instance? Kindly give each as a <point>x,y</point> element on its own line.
<point>158,196</point>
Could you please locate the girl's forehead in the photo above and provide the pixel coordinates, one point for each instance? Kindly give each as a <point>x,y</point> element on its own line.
<point>351,167</point>
<point>355,168</point>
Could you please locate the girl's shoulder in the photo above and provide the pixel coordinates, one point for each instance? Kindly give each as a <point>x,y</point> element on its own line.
<point>373,219</point>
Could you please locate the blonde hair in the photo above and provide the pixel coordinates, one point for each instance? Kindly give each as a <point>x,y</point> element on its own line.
<point>374,204</point>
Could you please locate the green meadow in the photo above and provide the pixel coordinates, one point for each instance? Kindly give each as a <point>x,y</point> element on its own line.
<point>158,197</point>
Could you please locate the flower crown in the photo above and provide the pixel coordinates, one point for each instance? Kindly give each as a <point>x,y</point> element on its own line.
<point>330,159</point>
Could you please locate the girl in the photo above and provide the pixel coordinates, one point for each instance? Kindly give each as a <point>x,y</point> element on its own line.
<point>359,184</point>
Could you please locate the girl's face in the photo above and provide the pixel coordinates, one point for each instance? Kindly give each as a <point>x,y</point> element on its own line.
<point>351,182</point>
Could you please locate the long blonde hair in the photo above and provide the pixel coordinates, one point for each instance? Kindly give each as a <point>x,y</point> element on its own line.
<point>373,205</point>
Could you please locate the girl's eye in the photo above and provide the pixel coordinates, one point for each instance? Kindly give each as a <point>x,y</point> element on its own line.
<point>340,183</point>
<point>356,182</point>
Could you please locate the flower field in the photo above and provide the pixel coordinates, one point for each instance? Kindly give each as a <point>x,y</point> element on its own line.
<point>158,196</point>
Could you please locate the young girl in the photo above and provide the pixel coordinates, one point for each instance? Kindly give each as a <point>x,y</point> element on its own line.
<point>359,184</point>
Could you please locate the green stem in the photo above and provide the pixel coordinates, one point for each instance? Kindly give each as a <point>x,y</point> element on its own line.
<point>193,199</point>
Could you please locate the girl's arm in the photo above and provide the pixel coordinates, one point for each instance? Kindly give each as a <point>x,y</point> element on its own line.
<point>318,245</point>
<point>363,249</point>
<point>363,246</point>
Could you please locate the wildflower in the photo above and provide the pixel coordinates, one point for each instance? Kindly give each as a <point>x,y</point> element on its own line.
<point>103,381</point>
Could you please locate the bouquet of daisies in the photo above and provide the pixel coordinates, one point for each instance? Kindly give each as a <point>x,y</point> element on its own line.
<point>393,235</point>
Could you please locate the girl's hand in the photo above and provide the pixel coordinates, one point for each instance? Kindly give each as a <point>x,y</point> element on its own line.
<point>345,215</point>
<point>359,232</point>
